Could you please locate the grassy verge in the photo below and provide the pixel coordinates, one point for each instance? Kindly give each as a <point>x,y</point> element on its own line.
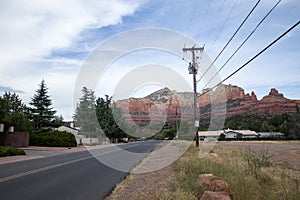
<point>10,151</point>
<point>249,174</point>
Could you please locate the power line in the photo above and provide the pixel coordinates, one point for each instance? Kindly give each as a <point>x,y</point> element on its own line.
<point>261,21</point>
<point>204,19</point>
<point>254,57</point>
<point>223,25</point>
<point>192,18</point>
<point>230,40</point>
<point>215,19</point>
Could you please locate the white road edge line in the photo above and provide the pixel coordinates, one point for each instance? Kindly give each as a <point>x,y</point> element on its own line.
<point>50,167</point>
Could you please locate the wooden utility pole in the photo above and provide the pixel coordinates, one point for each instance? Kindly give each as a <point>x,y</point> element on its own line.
<point>193,70</point>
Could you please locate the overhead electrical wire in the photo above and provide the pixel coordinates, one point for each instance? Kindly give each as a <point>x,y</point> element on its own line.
<point>223,25</point>
<point>214,22</point>
<point>261,21</point>
<point>240,26</point>
<point>203,19</point>
<point>192,18</point>
<point>254,57</point>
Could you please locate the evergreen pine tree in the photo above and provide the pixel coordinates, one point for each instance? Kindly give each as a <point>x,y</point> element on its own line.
<point>12,110</point>
<point>105,116</point>
<point>85,116</point>
<point>41,112</point>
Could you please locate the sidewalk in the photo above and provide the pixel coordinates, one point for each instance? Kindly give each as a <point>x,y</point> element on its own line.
<point>162,156</point>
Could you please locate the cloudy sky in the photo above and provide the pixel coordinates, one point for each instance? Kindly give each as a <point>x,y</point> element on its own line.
<point>51,40</point>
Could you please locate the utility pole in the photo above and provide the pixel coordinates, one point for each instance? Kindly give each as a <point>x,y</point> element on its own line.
<point>176,123</point>
<point>193,70</point>
<point>176,118</point>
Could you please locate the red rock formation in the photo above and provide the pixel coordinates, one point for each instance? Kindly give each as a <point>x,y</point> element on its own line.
<point>162,104</point>
<point>275,103</point>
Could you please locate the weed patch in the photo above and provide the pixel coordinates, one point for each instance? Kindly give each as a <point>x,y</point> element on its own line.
<point>250,175</point>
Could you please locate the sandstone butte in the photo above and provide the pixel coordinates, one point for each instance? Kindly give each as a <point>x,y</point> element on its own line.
<point>163,104</point>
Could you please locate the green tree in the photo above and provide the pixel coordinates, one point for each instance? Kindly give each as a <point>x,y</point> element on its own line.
<point>12,110</point>
<point>85,116</point>
<point>105,116</point>
<point>41,112</point>
<point>58,121</point>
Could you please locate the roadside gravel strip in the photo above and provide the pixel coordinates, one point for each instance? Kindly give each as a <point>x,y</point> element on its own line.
<point>152,176</point>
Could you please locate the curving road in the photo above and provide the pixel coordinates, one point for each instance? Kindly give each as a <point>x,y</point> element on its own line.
<point>79,175</point>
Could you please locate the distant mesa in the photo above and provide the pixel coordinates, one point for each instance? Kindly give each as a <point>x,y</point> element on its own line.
<point>237,103</point>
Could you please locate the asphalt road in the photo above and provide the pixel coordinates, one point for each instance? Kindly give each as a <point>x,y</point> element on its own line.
<point>79,175</point>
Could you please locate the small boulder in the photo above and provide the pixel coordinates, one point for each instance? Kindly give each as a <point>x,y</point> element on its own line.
<point>218,186</point>
<point>209,195</point>
<point>212,156</point>
<point>206,180</point>
<point>212,183</point>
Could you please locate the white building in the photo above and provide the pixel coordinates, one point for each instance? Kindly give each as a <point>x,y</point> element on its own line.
<point>210,135</point>
<point>229,134</point>
<point>239,134</point>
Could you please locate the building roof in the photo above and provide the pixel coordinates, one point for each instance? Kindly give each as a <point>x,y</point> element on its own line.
<point>267,134</point>
<point>68,127</point>
<point>210,133</point>
<point>242,132</point>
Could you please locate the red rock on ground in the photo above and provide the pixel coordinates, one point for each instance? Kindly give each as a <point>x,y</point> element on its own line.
<point>212,183</point>
<point>209,195</point>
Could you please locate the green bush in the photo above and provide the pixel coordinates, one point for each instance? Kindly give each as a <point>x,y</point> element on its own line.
<point>10,151</point>
<point>52,139</point>
<point>165,133</point>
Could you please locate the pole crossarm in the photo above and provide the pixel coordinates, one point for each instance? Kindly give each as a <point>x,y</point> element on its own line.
<point>193,49</point>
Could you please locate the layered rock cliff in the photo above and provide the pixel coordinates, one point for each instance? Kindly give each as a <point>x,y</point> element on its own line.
<point>166,104</point>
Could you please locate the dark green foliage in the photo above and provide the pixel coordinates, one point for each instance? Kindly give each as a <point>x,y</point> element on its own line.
<point>292,125</point>
<point>106,118</point>
<point>205,109</point>
<point>231,103</point>
<point>58,121</point>
<point>264,123</point>
<point>52,139</point>
<point>168,133</point>
<point>85,115</point>
<point>12,110</point>
<point>297,109</point>
<point>10,151</point>
<point>41,112</point>
<point>247,121</point>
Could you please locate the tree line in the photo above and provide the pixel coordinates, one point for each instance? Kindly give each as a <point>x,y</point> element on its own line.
<point>37,116</point>
<point>97,118</point>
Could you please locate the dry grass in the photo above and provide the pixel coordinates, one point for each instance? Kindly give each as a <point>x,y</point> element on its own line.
<point>230,165</point>
<point>179,181</point>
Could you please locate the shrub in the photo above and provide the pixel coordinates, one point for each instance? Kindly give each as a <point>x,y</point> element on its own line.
<point>10,151</point>
<point>53,139</point>
<point>256,161</point>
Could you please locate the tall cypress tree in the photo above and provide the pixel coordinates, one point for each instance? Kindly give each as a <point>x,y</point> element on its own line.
<point>41,112</point>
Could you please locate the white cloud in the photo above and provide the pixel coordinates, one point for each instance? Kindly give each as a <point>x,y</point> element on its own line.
<point>45,39</point>
<point>30,31</point>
